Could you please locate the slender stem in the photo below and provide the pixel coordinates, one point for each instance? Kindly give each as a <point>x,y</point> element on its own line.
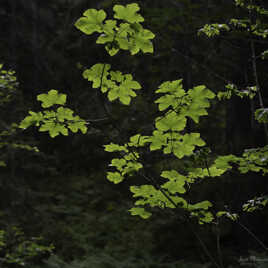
<point>219,244</point>
<point>185,218</point>
<point>255,74</point>
<point>205,249</point>
<point>248,230</point>
<point>253,235</point>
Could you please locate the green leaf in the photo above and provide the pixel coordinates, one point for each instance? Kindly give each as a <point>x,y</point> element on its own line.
<point>51,98</point>
<point>201,205</point>
<point>50,115</point>
<point>141,41</point>
<point>261,115</point>
<point>222,162</point>
<point>138,140</point>
<point>140,212</point>
<point>149,195</point>
<point>212,30</point>
<point>227,214</point>
<point>131,167</point>
<point>157,140</point>
<point>91,22</point>
<point>108,37</point>
<point>183,145</point>
<point>64,114</point>
<point>124,36</point>
<point>32,119</point>
<point>264,54</point>
<point>118,163</point>
<point>173,94</point>
<point>176,182</point>
<point>112,147</point>
<point>171,121</point>
<point>134,38</point>
<point>77,124</point>
<point>115,177</point>
<point>109,31</point>
<point>54,129</point>
<point>97,73</point>
<point>203,216</point>
<point>199,96</point>
<point>125,90</point>
<point>128,13</point>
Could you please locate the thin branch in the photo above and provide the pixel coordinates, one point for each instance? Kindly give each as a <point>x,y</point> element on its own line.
<point>255,74</point>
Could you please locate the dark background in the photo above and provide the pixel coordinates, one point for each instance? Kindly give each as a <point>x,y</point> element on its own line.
<point>61,193</point>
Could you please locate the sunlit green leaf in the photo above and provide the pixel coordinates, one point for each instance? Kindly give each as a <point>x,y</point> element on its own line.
<point>92,21</point>
<point>51,98</point>
<point>128,13</point>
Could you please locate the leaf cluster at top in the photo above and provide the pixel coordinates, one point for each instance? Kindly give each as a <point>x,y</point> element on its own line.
<point>57,121</point>
<point>124,32</point>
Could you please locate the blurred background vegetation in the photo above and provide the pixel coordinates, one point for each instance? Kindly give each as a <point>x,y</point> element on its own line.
<point>57,209</point>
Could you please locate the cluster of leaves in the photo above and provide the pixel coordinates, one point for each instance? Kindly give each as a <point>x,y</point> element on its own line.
<point>57,121</point>
<point>254,160</point>
<point>233,90</point>
<point>255,204</point>
<point>125,31</point>
<point>170,137</point>
<point>8,85</point>
<point>245,25</point>
<point>214,29</point>
<point>249,4</point>
<point>119,86</point>
<point>16,249</point>
<point>261,115</point>
<point>176,105</point>
<point>8,90</point>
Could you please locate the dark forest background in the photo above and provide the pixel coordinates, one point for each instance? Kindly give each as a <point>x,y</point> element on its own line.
<point>61,194</point>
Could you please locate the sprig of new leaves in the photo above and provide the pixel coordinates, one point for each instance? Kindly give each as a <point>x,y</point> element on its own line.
<point>124,32</point>
<point>119,86</point>
<point>170,137</point>
<point>56,121</point>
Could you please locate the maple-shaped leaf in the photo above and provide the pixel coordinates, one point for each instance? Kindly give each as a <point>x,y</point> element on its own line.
<point>32,119</point>
<point>183,145</point>
<point>171,121</point>
<point>176,181</point>
<point>173,94</point>
<point>112,147</point>
<point>157,140</point>
<point>142,41</point>
<point>51,98</point>
<point>64,114</point>
<point>108,37</point>
<point>91,22</point>
<point>139,211</point>
<point>125,90</point>
<point>77,124</point>
<point>108,32</point>
<point>128,13</point>
<point>54,128</point>
<point>118,163</point>
<point>138,140</point>
<point>200,205</point>
<point>199,97</point>
<point>115,177</point>
<point>97,73</point>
